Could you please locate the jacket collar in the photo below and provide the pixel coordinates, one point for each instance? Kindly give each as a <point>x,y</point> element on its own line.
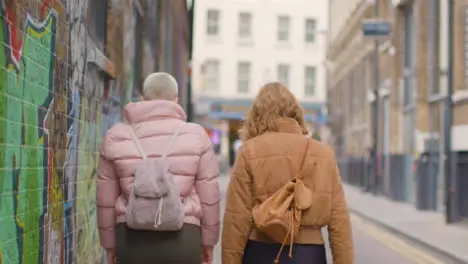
<point>153,110</point>
<point>289,125</point>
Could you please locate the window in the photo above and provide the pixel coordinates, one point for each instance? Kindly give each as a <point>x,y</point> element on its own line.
<point>212,75</point>
<point>245,25</point>
<point>212,22</point>
<point>310,29</point>
<point>283,28</point>
<point>283,74</point>
<point>97,22</point>
<point>309,81</point>
<point>409,60</point>
<point>243,77</point>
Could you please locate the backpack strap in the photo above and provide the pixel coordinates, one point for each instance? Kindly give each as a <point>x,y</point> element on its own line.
<point>169,146</point>
<point>173,139</point>
<point>306,152</point>
<point>137,143</point>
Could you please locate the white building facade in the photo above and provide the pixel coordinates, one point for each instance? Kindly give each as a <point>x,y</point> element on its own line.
<point>239,45</point>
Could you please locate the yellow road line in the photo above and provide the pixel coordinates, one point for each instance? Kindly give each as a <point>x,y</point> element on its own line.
<point>391,241</point>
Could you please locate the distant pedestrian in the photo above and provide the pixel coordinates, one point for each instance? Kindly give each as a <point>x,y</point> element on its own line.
<point>157,194</point>
<point>284,188</point>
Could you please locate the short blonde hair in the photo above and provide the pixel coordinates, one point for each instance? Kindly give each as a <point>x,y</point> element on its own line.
<point>160,86</point>
<point>273,102</point>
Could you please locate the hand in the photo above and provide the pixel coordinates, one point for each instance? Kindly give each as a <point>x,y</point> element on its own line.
<point>111,258</point>
<point>207,257</point>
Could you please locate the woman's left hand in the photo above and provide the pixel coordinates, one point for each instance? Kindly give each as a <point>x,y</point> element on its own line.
<point>207,257</point>
<point>111,258</point>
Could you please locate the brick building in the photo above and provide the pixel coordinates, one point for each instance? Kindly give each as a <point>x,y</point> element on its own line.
<point>66,70</point>
<point>411,91</point>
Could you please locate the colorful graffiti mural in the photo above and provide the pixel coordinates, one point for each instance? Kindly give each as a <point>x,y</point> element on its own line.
<point>51,123</point>
<point>25,147</point>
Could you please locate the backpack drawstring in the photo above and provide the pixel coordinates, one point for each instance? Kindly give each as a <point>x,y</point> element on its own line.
<point>157,217</point>
<point>290,234</point>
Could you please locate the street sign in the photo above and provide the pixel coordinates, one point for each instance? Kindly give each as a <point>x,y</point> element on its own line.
<point>375,28</point>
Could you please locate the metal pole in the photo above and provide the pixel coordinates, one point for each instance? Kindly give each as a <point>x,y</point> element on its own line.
<point>190,115</point>
<point>431,28</point>
<point>449,188</point>
<point>375,106</point>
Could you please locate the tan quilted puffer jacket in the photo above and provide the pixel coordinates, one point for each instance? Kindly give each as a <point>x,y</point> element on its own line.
<point>263,165</point>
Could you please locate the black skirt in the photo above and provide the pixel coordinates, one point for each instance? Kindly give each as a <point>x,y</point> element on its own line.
<point>265,253</point>
<point>150,247</point>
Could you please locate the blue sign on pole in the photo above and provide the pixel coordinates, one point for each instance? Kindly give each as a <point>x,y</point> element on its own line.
<point>376,28</point>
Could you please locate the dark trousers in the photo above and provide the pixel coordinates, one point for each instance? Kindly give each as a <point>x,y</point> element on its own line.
<point>150,247</point>
<point>265,253</point>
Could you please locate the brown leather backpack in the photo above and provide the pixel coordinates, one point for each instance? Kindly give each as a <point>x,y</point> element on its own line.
<point>279,216</point>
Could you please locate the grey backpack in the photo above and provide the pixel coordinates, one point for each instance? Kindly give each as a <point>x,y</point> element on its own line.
<point>154,202</point>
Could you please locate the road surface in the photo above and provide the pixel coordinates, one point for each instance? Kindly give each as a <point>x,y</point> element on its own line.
<point>372,244</point>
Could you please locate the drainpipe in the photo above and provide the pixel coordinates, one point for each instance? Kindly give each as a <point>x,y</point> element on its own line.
<point>431,50</point>
<point>157,34</point>
<point>375,106</point>
<point>190,115</point>
<point>449,185</point>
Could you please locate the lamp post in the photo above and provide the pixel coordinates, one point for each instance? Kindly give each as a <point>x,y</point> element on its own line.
<point>375,110</point>
<point>449,188</point>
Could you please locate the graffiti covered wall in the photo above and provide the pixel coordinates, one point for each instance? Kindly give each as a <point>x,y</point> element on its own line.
<point>54,109</point>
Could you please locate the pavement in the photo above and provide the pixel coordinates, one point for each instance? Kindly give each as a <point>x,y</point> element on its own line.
<point>427,229</point>
<point>223,163</point>
<point>373,243</point>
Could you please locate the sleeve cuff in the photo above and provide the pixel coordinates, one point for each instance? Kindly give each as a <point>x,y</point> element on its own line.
<point>107,238</point>
<point>210,235</point>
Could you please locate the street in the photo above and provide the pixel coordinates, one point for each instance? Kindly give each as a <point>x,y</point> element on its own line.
<point>372,245</point>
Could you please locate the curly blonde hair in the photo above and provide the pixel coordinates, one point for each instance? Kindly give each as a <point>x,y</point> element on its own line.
<point>273,103</point>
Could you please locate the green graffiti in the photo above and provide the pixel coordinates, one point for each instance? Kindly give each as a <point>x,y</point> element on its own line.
<point>129,80</point>
<point>25,96</point>
<point>88,245</point>
<point>2,113</point>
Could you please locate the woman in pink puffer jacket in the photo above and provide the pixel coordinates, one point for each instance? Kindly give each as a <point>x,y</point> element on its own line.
<point>191,160</point>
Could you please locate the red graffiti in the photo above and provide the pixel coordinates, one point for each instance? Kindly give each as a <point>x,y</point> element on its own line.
<point>15,39</point>
<point>16,42</point>
<point>44,6</point>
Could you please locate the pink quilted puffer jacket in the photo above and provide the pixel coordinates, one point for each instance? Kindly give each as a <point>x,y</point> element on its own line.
<point>191,160</point>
